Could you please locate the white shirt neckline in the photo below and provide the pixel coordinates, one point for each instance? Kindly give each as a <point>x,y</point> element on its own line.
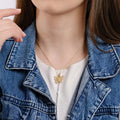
<point>67,88</point>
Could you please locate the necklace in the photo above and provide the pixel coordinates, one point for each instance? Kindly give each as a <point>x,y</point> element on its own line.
<point>59,77</point>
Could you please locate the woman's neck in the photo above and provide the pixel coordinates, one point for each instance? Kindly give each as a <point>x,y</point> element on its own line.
<point>61,35</point>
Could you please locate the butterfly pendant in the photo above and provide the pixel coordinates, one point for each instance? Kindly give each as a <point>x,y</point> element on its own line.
<point>58,78</point>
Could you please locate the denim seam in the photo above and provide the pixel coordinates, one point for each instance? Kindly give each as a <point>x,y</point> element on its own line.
<point>113,110</point>
<point>100,104</point>
<point>10,54</point>
<point>33,105</point>
<point>116,54</point>
<point>101,98</point>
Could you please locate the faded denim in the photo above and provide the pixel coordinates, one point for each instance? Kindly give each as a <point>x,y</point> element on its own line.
<point>24,94</point>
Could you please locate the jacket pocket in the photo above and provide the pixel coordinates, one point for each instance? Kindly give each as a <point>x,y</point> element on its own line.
<point>107,114</point>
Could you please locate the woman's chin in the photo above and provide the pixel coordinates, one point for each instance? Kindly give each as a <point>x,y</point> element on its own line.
<point>53,10</point>
<point>55,7</point>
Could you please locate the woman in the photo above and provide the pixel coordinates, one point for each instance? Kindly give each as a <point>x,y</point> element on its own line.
<point>65,65</point>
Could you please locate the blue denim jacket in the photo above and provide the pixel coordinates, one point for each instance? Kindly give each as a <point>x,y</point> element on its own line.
<point>24,94</point>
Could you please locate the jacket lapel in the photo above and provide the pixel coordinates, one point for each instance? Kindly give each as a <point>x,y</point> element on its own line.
<point>35,81</point>
<point>93,94</point>
<point>92,90</point>
<point>22,57</point>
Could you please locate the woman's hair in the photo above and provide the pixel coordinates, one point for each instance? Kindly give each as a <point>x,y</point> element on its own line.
<point>103,18</point>
<point>28,13</point>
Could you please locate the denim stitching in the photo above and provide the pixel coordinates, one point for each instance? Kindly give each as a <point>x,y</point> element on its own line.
<point>29,104</point>
<point>108,110</point>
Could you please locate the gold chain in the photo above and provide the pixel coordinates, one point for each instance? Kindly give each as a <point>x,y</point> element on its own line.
<point>60,77</point>
<point>66,65</point>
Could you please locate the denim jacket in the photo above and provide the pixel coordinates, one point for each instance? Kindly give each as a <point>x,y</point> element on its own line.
<point>24,95</point>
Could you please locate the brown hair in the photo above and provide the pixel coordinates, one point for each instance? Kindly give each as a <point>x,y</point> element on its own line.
<point>103,18</point>
<point>28,13</point>
<point>104,21</point>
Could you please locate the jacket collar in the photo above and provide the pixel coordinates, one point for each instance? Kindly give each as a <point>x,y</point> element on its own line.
<point>101,65</point>
<point>22,55</point>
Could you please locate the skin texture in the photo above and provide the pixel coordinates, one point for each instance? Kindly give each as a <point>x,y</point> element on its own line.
<point>61,30</point>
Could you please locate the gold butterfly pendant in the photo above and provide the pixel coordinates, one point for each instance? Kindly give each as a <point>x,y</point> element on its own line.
<point>58,78</point>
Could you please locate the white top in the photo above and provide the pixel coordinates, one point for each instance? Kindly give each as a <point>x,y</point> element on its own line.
<point>62,93</point>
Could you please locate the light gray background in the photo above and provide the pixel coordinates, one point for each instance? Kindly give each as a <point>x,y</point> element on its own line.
<point>4,4</point>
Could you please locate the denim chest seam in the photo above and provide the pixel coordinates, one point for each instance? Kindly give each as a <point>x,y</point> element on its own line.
<point>28,104</point>
<point>107,110</point>
<point>11,55</point>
